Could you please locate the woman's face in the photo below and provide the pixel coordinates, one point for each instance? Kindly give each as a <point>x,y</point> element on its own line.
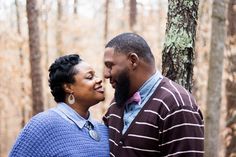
<point>87,88</point>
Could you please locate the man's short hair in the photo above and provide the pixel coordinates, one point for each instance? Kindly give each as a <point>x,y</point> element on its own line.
<point>131,42</point>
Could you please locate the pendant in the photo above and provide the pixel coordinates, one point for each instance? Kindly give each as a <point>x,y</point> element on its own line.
<point>94,135</point>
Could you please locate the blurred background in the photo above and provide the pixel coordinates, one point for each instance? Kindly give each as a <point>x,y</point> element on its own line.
<point>84,27</point>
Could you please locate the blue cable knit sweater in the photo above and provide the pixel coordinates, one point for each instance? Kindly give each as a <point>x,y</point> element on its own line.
<point>49,135</point>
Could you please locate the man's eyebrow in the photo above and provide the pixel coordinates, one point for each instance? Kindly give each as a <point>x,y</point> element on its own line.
<point>108,63</point>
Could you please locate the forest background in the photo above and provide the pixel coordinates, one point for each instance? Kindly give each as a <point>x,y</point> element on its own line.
<point>84,27</point>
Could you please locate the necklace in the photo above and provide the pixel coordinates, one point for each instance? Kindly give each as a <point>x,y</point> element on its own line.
<point>92,133</point>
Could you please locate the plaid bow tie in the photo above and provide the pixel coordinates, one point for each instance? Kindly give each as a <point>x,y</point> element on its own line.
<point>136,98</point>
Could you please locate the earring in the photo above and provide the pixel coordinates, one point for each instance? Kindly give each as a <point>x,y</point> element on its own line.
<point>71,99</point>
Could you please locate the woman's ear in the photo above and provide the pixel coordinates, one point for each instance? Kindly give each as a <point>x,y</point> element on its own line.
<point>134,60</point>
<point>67,87</point>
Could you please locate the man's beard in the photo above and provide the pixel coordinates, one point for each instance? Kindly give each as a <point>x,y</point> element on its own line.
<point>122,88</point>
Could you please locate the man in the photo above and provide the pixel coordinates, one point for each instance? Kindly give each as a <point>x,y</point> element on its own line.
<point>150,114</point>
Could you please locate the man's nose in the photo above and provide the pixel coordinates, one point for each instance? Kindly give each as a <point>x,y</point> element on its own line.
<point>107,73</point>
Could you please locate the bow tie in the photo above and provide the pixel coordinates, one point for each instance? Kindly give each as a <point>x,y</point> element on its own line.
<point>136,98</point>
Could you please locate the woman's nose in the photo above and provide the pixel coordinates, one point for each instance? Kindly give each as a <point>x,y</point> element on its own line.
<point>98,80</point>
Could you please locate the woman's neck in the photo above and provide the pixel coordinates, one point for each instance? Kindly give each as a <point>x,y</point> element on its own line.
<point>82,111</point>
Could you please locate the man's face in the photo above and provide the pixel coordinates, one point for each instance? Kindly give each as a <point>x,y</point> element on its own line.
<point>117,71</point>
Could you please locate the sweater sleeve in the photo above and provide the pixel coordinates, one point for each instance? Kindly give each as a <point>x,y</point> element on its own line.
<point>182,133</point>
<point>32,141</point>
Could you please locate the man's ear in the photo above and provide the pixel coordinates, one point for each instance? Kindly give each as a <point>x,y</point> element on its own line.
<point>134,60</point>
<point>68,88</point>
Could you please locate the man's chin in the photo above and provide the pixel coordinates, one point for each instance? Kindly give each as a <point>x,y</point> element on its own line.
<point>120,96</point>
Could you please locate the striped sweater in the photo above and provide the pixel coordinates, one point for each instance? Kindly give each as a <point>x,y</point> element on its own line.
<point>169,124</point>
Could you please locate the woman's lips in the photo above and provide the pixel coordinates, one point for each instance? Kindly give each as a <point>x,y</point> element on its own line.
<point>100,89</point>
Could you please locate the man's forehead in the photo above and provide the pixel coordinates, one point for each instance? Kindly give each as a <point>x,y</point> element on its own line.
<point>111,53</point>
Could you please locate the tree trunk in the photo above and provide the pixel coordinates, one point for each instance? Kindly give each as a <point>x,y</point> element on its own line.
<point>18,17</point>
<point>124,5</point>
<point>59,28</point>
<point>231,31</point>
<point>1,126</point>
<point>45,20</point>
<point>132,13</point>
<point>35,56</point>
<point>21,57</point>
<point>214,79</point>
<point>178,53</point>
<point>159,20</point>
<point>75,7</point>
<point>106,19</point>
<point>202,53</point>
<point>231,81</point>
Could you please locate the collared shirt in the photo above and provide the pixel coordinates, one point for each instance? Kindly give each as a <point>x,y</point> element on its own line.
<point>72,116</point>
<point>145,91</point>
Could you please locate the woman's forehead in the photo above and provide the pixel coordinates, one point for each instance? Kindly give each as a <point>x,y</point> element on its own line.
<point>84,67</point>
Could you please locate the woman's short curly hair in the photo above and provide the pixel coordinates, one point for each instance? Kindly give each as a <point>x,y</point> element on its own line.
<point>60,72</point>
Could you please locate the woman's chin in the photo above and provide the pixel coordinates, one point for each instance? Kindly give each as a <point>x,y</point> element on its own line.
<point>102,98</point>
<point>98,100</point>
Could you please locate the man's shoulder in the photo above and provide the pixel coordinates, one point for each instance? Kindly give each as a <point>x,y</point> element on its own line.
<point>168,88</point>
<point>173,96</point>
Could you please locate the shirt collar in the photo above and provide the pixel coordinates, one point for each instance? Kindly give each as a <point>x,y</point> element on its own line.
<point>149,84</point>
<point>71,114</point>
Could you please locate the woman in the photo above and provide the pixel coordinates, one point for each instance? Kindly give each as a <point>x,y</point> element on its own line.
<point>67,130</point>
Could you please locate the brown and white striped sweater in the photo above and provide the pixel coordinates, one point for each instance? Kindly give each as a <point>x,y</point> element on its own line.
<point>169,124</point>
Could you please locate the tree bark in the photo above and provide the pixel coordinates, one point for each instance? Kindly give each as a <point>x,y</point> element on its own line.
<point>231,31</point>
<point>18,17</point>
<point>202,52</point>
<point>178,52</point>
<point>159,20</point>
<point>1,126</point>
<point>35,56</point>
<point>132,13</point>
<point>230,86</point>
<point>45,20</point>
<point>21,58</point>
<point>216,57</point>
<point>59,27</point>
<point>124,4</point>
<point>75,7</point>
<point>106,19</point>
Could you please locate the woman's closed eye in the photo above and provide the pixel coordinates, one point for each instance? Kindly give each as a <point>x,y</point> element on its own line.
<point>89,77</point>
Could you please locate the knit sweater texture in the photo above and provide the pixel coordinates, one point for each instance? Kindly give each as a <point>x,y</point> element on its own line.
<point>49,135</point>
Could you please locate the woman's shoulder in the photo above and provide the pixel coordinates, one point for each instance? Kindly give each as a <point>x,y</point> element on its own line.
<point>46,116</point>
<point>33,138</point>
<point>43,120</point>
